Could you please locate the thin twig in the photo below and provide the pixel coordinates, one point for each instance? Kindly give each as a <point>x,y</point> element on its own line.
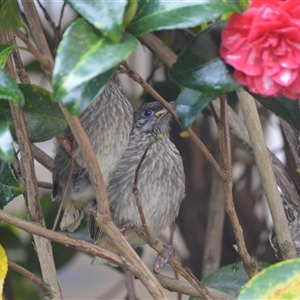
<point>225,149</point>
<point>37,55</point>
<point>43,158</point>
<point>44,288</point>
<point>45,185</point>
<point>136,192</point>
<point>262,158</point>
<point>66,187</point>
<point>38,35</point>
<point>56,29</point>
<point>176,265</point>
<point>65,143</point>
<point>179,286</point>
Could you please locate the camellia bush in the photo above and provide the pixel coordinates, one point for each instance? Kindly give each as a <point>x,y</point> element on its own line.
<point>225,60</point>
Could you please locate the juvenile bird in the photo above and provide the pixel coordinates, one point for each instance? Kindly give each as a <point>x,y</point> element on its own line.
<point>107,122</point>
<point>161,180</point>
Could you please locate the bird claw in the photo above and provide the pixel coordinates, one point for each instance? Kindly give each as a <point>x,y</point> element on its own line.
<point>125,229</point>
<point>160,261</point>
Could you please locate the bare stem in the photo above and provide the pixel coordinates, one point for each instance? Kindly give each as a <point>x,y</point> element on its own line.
<point>45,185</point>
<point>44,288</point>
<point>249,109</point>
<point>183,287</point>
<point>225,148</point>
<point>66,187</point>
<point>43,158</point>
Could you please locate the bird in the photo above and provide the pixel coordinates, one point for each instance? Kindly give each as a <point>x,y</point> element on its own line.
<point>108,123</point>
<point>161,181</point>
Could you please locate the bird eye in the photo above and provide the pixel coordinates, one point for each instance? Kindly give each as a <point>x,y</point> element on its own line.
<point>148,112</point>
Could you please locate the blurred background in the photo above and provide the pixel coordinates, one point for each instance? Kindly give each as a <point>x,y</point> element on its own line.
<point>203,238</point>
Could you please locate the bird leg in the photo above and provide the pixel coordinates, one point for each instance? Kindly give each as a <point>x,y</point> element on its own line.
<point>160,261</point>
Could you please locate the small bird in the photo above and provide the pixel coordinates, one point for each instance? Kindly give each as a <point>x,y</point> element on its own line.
<point>107,122</point>
<point>161,181</point>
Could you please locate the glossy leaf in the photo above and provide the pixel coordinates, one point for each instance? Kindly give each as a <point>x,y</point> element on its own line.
<point>130,11</point>
<point>83,54</point>
<point>284,108</point>
<point>229,279</point>
<point>103,15</point>
<point>279,281</point>
<point>80,98</point>
<point>44,119</point>
<point>199,66</point>
<point>9,89</point>
<point>6,140</point>
<point>190,104</point>
<point>10,19</point>
<point>161,14</point>
<point>9,186</point>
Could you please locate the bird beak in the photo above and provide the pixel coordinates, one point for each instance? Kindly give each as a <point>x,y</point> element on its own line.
<point>161,113</point>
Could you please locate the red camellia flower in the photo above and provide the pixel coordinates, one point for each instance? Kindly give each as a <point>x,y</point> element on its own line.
<point>263,46</point>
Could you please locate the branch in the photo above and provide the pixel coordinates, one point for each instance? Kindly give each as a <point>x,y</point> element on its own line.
<point>61,239</point>
<point>45,185</point>
<point>249,109</point>
<point>44,288</point>
<point>38,36</point>
<point>183,287</point>
<point>249,263</point>
<point>42,157</point>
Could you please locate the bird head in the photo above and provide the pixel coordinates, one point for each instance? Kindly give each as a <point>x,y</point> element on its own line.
<point>152,118</point>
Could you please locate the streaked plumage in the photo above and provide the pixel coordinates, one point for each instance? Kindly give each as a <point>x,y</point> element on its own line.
<point>161,180</point>
<point>107,122</point>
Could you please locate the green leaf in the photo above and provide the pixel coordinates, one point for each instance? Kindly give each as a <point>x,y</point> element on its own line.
<point>4,53</point>
<point>130,11</point>
<point>44,119</point>
<point>6,140</point>
<point>10,19</point>
<point>9,186</point>
<point>284,108</point>
<point>200,67</point>
<point>190,104</point>
<point>160,14</point>
<point>83,54</point>
<point>82,96</point>
<point>103,15</point>
<point>279,281</point>
<point>9,89</point>
<point>230,279</point>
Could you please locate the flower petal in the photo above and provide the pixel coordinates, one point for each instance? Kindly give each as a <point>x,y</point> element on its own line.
<point>285,77</point>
